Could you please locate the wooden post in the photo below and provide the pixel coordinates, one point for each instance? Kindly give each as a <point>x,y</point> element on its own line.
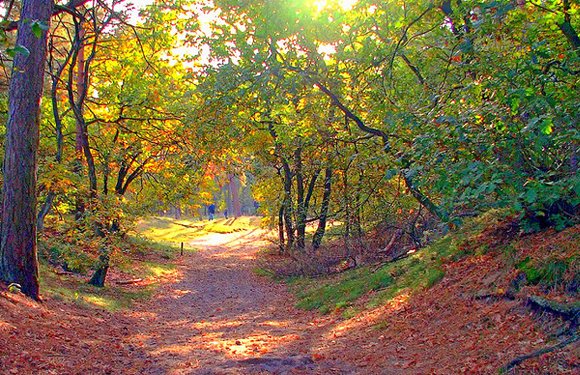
<point>182,249</point>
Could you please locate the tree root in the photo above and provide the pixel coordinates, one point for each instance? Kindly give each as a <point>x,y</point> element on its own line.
<point>569,312</point>
<point>516,361</point>
<point>128,282</point>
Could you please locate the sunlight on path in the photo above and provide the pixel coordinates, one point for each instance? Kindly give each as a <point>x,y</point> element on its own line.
<point>220,318</point>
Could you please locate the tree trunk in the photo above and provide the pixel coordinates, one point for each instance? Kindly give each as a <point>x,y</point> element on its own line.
<point>235,194</point>
<point>18,261</point>
<point>44,210</point>
<point>228,199</point>
<point>287,204</point>
<point>301,209</point>
<point>358,202</point>
<point>80,80</point>
<point>346,201</point>
<point>319,234</point>
<point>98,278</point>
<point>415,192</point>
<point>423,199</point>
<point>281,229</point>
<point>568,30</point>
<point>56,77</point>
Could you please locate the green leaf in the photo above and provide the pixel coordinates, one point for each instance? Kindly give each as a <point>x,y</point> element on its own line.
<point>38,27</point>
<point>547,126</point>
<point>391,173</point>
<point>13,51</point>
<point>531,195</point>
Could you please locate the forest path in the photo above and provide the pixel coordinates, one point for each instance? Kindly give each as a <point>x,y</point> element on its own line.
<point>221,318</point>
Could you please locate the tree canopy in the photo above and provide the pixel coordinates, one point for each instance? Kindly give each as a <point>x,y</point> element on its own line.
<point>362,112</point>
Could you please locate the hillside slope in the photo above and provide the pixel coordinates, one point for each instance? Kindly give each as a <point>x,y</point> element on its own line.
<point>473,316</point>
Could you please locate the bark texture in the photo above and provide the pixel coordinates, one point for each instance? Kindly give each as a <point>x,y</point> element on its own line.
<point>18,261</point>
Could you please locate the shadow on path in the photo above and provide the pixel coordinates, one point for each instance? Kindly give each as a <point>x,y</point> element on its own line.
<point>221,318</point>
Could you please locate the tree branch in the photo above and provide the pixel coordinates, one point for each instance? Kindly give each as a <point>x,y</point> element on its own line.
<point>58,9</point>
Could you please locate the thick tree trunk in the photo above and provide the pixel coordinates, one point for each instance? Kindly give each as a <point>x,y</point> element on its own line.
<point>18,260</point>
<point>98,278</point>
<point>319,234</point>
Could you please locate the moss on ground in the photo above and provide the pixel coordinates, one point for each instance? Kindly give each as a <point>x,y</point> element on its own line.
<point>419,271</point>
<point>71,289</point>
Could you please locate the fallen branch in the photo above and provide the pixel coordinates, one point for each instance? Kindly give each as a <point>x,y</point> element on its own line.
<point>538,353</point>
<point>491,296</point>
<point>63,273</point>
<point>9,298</point>
<point>128,282</point>
<point>392,259</point>
<point>392,242</point>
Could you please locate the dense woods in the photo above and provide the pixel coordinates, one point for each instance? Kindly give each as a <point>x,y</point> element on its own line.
<point>357,112</point>
<point>379,144</point>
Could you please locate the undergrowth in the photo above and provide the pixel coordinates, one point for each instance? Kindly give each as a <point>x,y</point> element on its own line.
<point>419,271</point>
<point>72,290</point>
<point>134,257</point>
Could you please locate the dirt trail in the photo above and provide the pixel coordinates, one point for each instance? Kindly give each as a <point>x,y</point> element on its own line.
<point>221,318</point>
<point>218,317</point>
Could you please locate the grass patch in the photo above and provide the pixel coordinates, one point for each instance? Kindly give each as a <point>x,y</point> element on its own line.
<point>172,231</point>
<point>141,245</point>
<point>550,272</point>
<point>76,291</point>
<point>263,272</point>
<point>341,294</point>
<point>152,269</point>
<point>169,232</point>
<point>419,271</point>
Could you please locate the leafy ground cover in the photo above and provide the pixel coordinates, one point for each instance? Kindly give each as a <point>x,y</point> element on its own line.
<point>443,310</point>
<point>464,292</point>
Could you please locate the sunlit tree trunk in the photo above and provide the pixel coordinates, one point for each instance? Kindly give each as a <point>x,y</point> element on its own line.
<point>18,261</point>
<point>288,209</point>
<point>234,188</point>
